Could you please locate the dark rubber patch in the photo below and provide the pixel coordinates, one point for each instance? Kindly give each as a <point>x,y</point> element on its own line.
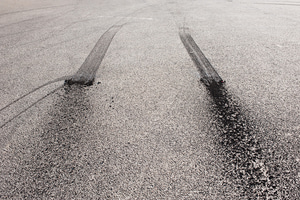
<point>209,75</point>
<point>247,162</point>
<point>87,72</point>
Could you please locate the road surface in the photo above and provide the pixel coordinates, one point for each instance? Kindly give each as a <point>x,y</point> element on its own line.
<point>110,99</point>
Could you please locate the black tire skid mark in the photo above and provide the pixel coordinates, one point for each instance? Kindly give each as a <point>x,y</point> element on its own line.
<point>87,72</point>
<point>246,162</point>
<point>209,75</point>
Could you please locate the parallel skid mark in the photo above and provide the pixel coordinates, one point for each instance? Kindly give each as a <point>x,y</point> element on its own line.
<point>87,72</point>
<point>209,75</point>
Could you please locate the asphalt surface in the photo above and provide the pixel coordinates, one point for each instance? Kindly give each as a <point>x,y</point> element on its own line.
<point>104,99</point>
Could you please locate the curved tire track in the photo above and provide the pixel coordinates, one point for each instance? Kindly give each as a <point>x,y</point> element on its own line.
<point>87,72</point>
<point>33,104</point>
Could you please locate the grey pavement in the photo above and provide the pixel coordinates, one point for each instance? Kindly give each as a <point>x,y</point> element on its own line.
<point>148,128</point>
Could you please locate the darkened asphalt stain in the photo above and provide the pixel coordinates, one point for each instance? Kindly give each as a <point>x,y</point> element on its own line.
<point>246,162</point>
<point>51,164</point>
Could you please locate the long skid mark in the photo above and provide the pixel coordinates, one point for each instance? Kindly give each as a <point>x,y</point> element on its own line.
<point>87,72</point>
<point>209,75</point>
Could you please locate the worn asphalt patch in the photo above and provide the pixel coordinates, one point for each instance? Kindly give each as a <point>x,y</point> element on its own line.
<point>209,75</point>
<point>87,72</point>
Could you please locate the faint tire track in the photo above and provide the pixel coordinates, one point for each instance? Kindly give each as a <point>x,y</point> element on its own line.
<point>39,28</point>
<point>19,22</point>
<point>20,11</point>
<point>25,95</point>
<point>33,104</point>
<point>53,33</point>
